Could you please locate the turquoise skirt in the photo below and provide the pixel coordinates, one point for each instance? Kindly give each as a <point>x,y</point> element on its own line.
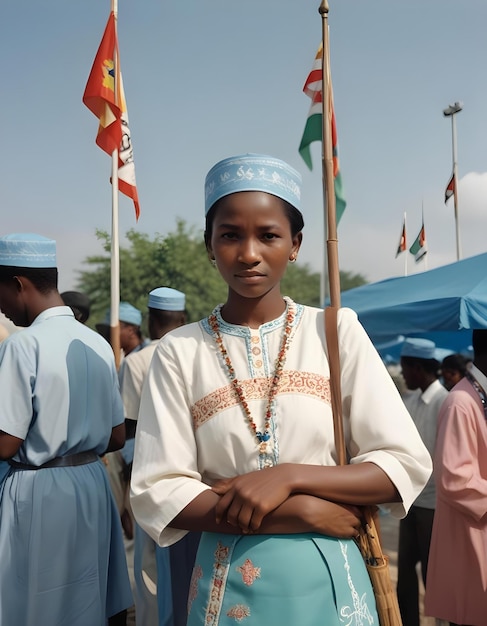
<point>281,580</point>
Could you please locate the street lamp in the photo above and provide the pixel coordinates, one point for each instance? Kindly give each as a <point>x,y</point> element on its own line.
<point>451,111</point>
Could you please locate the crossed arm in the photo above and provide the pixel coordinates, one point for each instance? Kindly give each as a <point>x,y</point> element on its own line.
<point>289,498</point>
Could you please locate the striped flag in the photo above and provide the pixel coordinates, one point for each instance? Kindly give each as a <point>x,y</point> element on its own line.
<point>313,88</point>
<point>402,240</point>
<point>105,98</point>
<point>450,188</point>
<point>126,165</point>
<point>419,247</point>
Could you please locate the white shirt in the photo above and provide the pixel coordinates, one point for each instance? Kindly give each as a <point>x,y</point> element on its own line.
<point>424,408</point>
<point>192,430</point>
<point>58,388</point>
<point>135,370</point>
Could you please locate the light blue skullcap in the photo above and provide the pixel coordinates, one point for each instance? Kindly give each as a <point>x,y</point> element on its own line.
<point>253,172</point>
<point>27,250</point>
<point>441,353</point>
<point>167,299</point>
<point>419,348</point>
<point>126,313</point>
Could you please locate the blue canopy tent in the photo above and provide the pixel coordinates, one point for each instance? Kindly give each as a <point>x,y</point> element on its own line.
<point>447,342</point>
<point>443,304</point>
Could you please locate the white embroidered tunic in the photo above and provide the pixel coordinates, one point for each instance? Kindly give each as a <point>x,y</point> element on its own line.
<point>192,429</point>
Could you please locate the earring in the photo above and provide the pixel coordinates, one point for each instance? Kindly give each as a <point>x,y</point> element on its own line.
<point>292,259</point>
<point>213,262</point>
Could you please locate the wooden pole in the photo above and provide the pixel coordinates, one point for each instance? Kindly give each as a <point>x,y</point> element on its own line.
<point>329,205</point>
<point>327,163</point>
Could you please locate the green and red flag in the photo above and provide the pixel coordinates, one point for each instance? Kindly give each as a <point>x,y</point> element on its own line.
<point>313,88</point>
<point>419,247</point>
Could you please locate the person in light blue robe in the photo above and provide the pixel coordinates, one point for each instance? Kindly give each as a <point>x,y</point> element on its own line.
<point>63,560</point>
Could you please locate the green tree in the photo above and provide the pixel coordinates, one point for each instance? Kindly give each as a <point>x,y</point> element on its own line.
<point>349,280</point>
<point>177,260</point>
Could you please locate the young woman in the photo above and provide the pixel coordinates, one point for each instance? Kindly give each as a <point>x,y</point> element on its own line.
<point>246,390</point>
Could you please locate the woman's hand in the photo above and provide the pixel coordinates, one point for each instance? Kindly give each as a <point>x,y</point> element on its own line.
<point>245,500</point>
<point>299,513</point>
<point>330,518</point>
<point>294,513</point>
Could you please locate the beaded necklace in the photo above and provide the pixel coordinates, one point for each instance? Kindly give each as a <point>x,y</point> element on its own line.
<point>261,436</point>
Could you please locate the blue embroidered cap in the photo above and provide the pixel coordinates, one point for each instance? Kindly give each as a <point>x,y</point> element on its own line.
<point>126,313</point>
<point>253,172</point>
<point>129,314</point>
<point>27,250</point>
<point>419,348</point>
<point>167,299</point>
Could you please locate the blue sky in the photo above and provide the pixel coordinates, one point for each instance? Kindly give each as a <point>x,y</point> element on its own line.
<point>206,79</point>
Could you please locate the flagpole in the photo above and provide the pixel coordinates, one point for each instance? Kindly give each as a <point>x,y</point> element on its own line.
<point>323,276</point>
<point>455,176</point>
<point>425,257</point>
<point>405,256</point>
<point>327,165</point>
<point>115,247</point>
<point>451,111</point>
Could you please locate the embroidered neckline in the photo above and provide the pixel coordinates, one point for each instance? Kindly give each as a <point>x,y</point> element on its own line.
<point>262,436</point>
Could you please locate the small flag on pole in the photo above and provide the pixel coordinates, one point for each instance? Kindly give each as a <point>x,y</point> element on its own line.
<point>313,88</point>
<point>419,247</point>
<point>99,95</point>
<point>126,166</point>
<point>105,98</point>
<point>450,188</point>
<point>402,240</point>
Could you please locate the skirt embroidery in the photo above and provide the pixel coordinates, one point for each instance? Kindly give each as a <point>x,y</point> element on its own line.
<point>249,572</point>
<point>327,582</point>
<point>217,587</point>
<point>193,586</point>
<point>239,612</point>
<point>360,615</point>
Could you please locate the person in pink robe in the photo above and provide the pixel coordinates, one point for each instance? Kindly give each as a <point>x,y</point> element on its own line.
<point>456,586</point>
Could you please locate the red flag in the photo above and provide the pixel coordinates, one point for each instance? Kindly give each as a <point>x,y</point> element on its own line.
<point>104,96</point>
<point>450,188</point>
<point>100,96</point>
<point>402,240</point>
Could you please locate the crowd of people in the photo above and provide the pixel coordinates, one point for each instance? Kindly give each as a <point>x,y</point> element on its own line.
<point>199,482</point>
<point>446,513</point>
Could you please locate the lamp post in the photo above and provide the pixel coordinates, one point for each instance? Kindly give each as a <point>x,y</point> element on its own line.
<point>451,111</point>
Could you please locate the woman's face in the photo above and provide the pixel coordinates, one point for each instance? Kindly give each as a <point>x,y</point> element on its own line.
<point>251,242</point>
